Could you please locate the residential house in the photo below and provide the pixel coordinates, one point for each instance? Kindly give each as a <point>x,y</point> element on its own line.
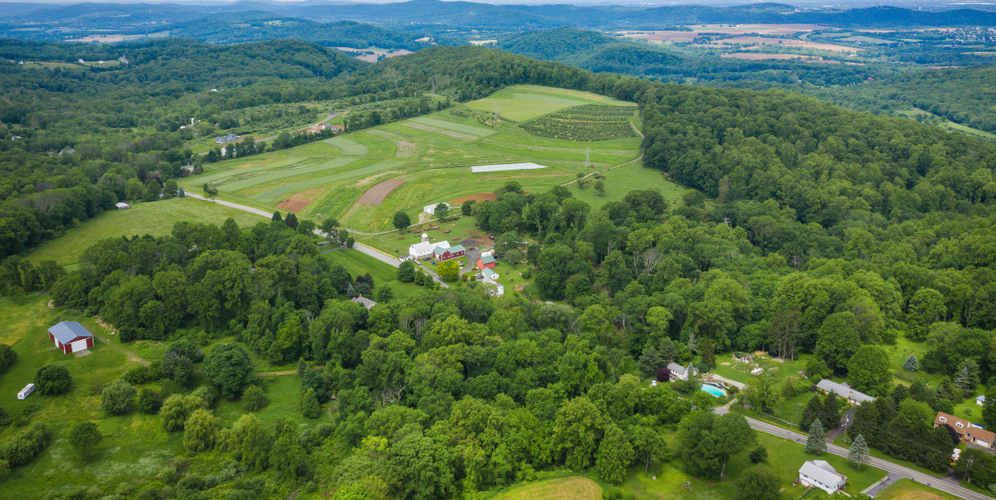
<point>489,274</point>
<point>487,261</point>
<point>492,287</point>
<point>967,431</point>
<point>820,474</point>
<point>679,372</point>
<point>363,301</point>
<point>843,390</point>
<point>70,337</point>
<point>425,248</point>
<point>446,253</point>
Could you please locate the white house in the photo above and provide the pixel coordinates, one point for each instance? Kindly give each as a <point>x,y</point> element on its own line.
<point>679,372</point>
<point>28,389</point>
<point>431,209</point>
<point>425,248</point>
<point>819,474</point>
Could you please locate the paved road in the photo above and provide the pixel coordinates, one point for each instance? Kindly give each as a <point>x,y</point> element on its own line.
<point>943,484</point>
<point>393,261</point>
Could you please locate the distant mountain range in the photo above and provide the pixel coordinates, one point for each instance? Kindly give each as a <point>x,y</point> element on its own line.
<point>47,22</point>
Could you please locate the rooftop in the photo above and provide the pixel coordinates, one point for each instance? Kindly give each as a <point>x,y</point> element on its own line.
<point>844,391</point>
<point>67,331</point>
<point>505,166</point>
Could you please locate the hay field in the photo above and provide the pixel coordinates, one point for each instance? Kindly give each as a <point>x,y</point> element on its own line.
<point>430,154</point>
<point>565,488</point>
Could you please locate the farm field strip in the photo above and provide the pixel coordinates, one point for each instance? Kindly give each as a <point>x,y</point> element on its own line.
<point>285,173</point>
<point>448,133</point>
<point>245,170</point>
<point>349,147</point>
<point>376,194</point>
<point>455,127</point>
<point>272,194</point>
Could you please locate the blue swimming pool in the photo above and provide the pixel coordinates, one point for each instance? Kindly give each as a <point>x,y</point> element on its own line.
<point>715,391</point>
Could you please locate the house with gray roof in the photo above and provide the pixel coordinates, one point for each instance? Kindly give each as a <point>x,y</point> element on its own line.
<point>679,372</point>
<point>843,390</point>
<point>363,301</point>
<point>822,475</point>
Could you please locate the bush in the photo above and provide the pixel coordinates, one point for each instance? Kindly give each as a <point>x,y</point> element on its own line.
<point>117,398</point>
<point>141,375</point>
<point>7,357</point>
<point>201,431</point>
<point>758,455</point>
<point>309,405</point>
<point>192,482</point>
<point>176,409</point>
<point>253,398</point>
<point>527,274</point>
<point>4,418</point>
<point>149,402</point>
<point>53,380</point>
<point>24,447</point>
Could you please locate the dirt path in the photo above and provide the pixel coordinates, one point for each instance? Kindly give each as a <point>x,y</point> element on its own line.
<point>274,374</point>
<point>131,355</point>
<point>634,160</point>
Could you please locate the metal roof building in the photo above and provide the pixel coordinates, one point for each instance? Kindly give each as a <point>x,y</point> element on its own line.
<point>505,166</point>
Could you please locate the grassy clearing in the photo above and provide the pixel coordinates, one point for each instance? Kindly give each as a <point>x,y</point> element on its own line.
<point>620,181</point>
<point>135,447</point>
<point>564,488</point>
<point>904,489</point>
<point>156,218</point>
<point>359,263</point>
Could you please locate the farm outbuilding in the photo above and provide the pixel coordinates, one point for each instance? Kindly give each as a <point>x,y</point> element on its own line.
<point>70,337</point>
<point>122,206</point>
<point>431,209</point>
<point>487,261</point>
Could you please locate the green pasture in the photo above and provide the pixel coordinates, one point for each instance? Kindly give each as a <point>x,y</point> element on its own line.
<point>430,153</point>
<point>156,218</point>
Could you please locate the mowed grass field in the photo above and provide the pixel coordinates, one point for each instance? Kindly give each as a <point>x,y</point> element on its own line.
<point>432,154</point>
<point>904,489</point>
<point>564,488</point>
<point>156,218</point>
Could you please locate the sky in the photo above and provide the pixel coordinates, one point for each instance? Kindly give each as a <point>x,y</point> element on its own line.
<point>715,3</point>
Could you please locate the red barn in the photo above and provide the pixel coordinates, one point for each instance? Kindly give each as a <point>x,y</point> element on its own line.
<point>70,336</point>
<point>442,253</point>
<point>486,261</point>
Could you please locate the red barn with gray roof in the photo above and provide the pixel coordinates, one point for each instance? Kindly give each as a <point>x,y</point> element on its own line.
<point>70,337</point>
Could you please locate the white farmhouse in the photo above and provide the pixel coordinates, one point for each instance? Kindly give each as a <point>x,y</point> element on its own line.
<point>425,248</point>
<point>822,475</point>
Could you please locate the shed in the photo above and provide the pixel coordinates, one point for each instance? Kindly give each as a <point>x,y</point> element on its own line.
<point>70,337</point>
<point>122,206</point>
<point>431,209</point>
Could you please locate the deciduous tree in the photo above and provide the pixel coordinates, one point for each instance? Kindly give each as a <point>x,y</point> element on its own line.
<point>53,380</point>
<point>229,367</point>
<point>614,454</point>
<point>85,437</point>
<point>118,397</point>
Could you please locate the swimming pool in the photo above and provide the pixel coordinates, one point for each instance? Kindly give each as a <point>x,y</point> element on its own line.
<point>715,391</point>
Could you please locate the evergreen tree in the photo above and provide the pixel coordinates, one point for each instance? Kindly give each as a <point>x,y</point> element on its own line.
<point>309,405</point>
<point>859,454</point>
<point>831,411</point>
<point>911,364</point>
<point>649,360</point>
<point>967,378</point>
<point>817,442</point>
<point>276,216</point>
<point>291,220</point>
<point>813,411</point>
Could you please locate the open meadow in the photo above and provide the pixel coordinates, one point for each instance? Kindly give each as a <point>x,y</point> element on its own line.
<point>431,156</point>
<point>155,218</point>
